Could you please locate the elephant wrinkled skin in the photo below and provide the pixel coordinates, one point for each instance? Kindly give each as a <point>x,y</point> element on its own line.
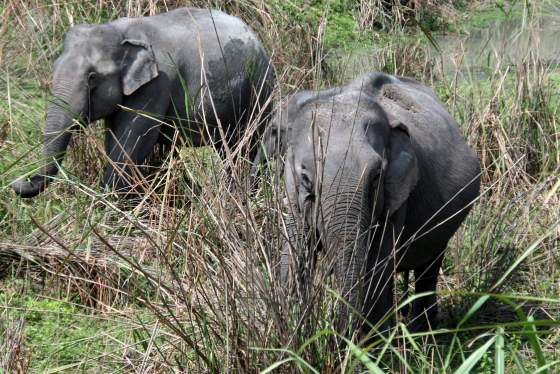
<point>187,67</point>
<point>380,174</point>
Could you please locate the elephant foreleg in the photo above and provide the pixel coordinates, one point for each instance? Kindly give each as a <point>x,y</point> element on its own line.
<point>380,279</point>
<point>130,138</point>
<point>424,310</point>
<point>379,286</point>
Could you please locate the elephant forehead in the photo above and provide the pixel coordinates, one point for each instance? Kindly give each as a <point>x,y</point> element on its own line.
<point>339,114</point>
<point>332,135</point>
<point>89,57</point>
<point>335,129</point>
<point>87,35</point>
<point>91,45</point>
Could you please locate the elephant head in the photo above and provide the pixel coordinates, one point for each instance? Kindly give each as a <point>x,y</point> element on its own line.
<point>349,169</point>
<point>99,66</point>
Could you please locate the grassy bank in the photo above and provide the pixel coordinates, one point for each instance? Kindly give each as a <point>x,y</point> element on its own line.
<point>186,281</point>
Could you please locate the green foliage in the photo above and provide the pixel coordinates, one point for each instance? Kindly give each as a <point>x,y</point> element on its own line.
<point>490,15</point>
<point>341,30</point>
<point>58,333</point>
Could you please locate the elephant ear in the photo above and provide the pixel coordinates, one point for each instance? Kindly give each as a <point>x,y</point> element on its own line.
<point>139,65</point>
<point>402,172</point>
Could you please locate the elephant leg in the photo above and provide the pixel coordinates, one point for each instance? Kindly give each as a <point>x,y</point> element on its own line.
<point>379,303</point>
<point>167,134</point>
<point>424,310</point>
<point>379,287</point>
<point>127,149</point>
<point>130,138</point>
<point>381,265</point>
<point>165,145</point>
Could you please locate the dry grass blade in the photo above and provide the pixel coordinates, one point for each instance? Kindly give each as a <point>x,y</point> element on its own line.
<point>15,358</point>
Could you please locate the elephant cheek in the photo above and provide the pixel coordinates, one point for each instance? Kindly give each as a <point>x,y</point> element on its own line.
<point>114,94</point>
<point>105,101</point>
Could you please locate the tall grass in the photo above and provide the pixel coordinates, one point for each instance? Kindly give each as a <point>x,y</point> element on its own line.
<point>190,273</point>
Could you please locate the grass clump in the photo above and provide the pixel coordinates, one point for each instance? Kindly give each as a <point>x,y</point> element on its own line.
<point>54,334</point>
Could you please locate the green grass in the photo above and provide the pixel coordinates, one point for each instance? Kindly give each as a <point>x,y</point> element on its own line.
<point>499,11</point>
<point>187,282</point>
<point>60,334</point>
<point>340,28</point>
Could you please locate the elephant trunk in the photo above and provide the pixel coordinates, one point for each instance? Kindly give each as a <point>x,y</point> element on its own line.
<point>346,218</point>
<point>60,114</point>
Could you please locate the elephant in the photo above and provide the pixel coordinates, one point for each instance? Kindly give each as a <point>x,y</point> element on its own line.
<point>201,70</point>
<point>377,176</point>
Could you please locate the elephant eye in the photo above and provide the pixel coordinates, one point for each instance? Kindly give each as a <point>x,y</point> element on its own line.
<point>91,77</point>
<point>306,181</point>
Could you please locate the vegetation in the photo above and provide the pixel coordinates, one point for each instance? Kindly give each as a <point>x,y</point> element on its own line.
<point>186,280</point>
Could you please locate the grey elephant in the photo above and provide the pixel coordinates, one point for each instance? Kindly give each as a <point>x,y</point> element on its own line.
<point>203,71</point>
<point>378,176</point>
